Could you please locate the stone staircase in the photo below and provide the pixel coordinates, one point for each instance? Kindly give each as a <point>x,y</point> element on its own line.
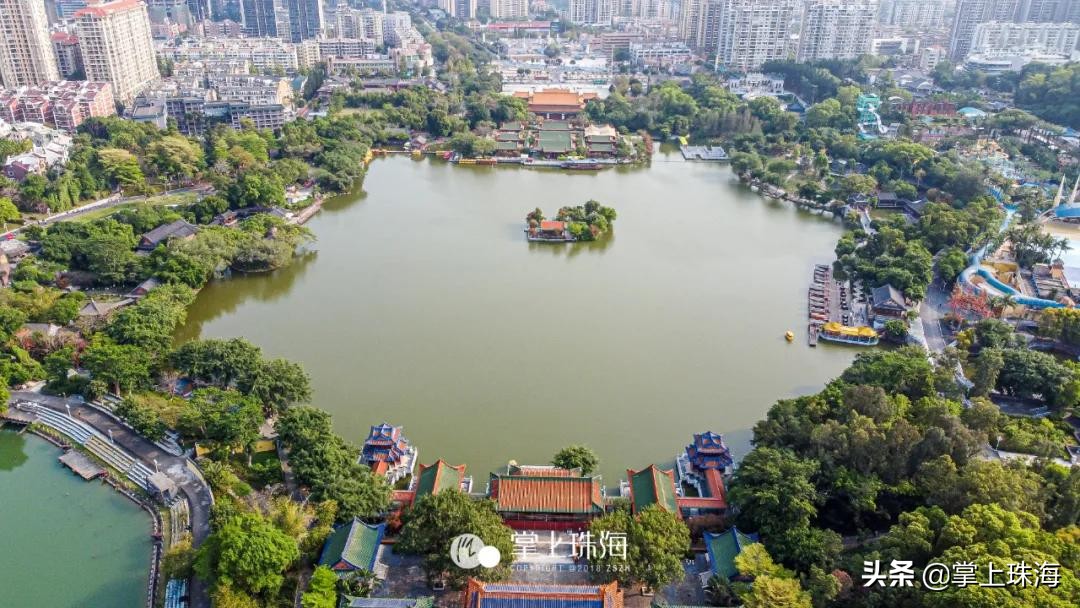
<point>100,446</point>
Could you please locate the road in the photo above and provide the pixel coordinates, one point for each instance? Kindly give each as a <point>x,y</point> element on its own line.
<point>176,467</point>
<point>106,203</point>
<point>931,310</point>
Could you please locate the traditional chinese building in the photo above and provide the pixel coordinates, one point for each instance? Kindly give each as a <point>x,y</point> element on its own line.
<point>652,486</point>
<point>723,548</point>
<point>388,453</point>
<point>560,104</point>
<point>887,302</point>
<point>478,594</point>
<point>353,546</point>
<point>702,467</point>
<point>532,497</point>
<point>435,478</point>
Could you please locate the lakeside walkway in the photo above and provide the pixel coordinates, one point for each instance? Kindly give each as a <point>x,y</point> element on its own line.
<point>150,455</point>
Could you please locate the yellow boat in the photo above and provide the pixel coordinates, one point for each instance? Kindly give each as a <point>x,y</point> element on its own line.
<point>789,336</point>
<point>837,332</point>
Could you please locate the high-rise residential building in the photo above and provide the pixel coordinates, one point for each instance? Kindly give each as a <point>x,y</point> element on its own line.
<point>305,19</point>
<point>694,20</point>
<point>645,9</point>
<point>998,38</point>
<point>1044,10</point>
<point>116,46</point>
<point>707,33</point>
<point>751,32</point>
<point>265,18</point>
<point>68,54</point>
<point>508,9</point>
<point>592,12</point>
<point>292,20</point>
<point>26,54</point>
<point>66,8</point>
<point>836,29</point>
<point>358,23</point>
<point>170,11</point>
<point>913,14</point>
<point>461,9</point>
<point>970,13</point>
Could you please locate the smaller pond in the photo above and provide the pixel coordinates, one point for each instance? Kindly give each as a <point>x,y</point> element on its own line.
<point>67,543</point>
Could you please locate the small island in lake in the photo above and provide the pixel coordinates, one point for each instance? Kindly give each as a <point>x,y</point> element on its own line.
<point>581,223</point>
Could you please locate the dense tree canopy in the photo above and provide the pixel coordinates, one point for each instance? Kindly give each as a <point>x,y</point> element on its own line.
<point>436,519</point>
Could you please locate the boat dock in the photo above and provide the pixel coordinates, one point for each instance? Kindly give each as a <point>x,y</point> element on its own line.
<point>818,302</point>
<point>832,311</point>
<point>713,153</point>
<point>81,464</point>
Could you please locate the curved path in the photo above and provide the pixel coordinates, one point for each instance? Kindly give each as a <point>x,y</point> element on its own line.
<point>176,467</point>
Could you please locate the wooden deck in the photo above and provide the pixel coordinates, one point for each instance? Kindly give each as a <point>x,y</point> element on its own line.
<point>81,464</point>
<point>18,416</point>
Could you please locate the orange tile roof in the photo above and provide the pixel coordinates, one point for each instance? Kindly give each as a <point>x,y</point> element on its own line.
<point>688,502</point>
<point>380,467</point>
<point>535,494</point>
<point>543,470</point>
<point>555,99</point>
<point>551,225</point>
<point>478,594</point>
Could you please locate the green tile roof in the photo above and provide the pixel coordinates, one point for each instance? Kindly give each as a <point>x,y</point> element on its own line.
<point>555,141</point>
<point>352,546</point>
<point>507,145</point>
<point>438,477</point>
<point>724,547</point>
<point>652,486</point>
<point>555,125</point>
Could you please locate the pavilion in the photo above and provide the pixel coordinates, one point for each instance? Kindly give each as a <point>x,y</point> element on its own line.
<point>352,546</point>
<point>388,452</point>
<point>702,467</point>
<point>723,548</point>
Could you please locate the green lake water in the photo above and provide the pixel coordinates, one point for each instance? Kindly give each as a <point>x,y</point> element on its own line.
<point>67,543</point>
<point>425,306</point>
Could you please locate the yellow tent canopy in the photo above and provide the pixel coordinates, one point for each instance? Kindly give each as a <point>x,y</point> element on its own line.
<point>844,330</point>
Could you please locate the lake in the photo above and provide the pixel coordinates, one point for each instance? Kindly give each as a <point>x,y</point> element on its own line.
<point>425,306</point>
<point>68,543</point>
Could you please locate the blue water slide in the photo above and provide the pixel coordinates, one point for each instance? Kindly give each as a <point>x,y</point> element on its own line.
<point>992,281</point>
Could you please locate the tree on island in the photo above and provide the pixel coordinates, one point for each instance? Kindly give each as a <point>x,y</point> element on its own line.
<point>576,457</point>
<point>587,222</point>
<point>431,525</point>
